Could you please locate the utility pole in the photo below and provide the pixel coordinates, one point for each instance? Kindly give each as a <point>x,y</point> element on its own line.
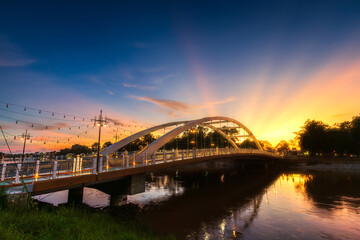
<point>25,136</point>
<point>100,123</point>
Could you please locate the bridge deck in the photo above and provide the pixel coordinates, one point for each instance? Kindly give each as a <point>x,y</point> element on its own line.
<point>48,182</point>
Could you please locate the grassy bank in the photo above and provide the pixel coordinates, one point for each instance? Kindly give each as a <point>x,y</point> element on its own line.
<point>66,223</point>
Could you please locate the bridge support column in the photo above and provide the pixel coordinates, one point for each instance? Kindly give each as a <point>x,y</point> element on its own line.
<point>137,184</point>
<point>118,200</point>
<point>3,171</point>
<point>75,195</point>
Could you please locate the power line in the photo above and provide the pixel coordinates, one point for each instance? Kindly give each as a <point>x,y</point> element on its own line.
<point>53,113</point>
<point>50,118</point>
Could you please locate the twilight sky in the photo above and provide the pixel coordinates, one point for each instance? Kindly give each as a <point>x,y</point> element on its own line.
<point>270,65</point>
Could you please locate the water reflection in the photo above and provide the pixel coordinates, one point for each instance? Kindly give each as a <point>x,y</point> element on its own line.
<point>232,204</point>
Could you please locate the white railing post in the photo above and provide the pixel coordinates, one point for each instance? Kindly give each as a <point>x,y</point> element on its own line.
<point>18,169</point>
<point>194,153</point>
<point>127,161</point>
<point>78,163</point>
<point>55,169</point>
<point>165,156</point>
<point>94,165</point>
<point>101,164</point>
<point>143,160</point>
<point>74,163</point>
<point>123,159</point>
<point>3,171</point>
<point>37,168</point>
<point>107,162</point>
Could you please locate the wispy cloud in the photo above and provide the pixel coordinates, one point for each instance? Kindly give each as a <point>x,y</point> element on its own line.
<point>11,55</point>
<point>160,80</point>
<point>139,86</point>
<point>177,109</point>
<point>109,92</point>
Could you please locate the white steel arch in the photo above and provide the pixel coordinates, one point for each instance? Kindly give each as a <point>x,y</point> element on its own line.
<point>158,143</point>
<point>186,125</point>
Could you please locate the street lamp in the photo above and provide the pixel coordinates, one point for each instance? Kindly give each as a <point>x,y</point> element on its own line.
<point>100,123</point>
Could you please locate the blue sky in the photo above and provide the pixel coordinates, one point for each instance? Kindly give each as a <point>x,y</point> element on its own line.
<point>156,61</point>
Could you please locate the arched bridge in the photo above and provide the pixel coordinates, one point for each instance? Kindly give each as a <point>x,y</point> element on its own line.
<point>182,126</point>
<point>49,175</point>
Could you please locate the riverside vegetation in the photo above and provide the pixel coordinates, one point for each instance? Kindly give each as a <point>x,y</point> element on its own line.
<point>66,222</point>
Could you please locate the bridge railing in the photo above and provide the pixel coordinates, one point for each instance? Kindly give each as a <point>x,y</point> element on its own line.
<point>10,172</point>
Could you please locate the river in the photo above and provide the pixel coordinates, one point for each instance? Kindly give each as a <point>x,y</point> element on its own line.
<point>234,203</point>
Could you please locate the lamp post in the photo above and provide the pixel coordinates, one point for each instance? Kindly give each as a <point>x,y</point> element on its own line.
<point>100,123</point>
<point>24,136</point>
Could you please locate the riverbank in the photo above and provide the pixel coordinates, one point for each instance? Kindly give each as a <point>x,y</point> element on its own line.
<point>68,222</point>
<point>340,164</point>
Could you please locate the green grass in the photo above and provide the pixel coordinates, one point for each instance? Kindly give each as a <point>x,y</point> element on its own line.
<point>66,223</point>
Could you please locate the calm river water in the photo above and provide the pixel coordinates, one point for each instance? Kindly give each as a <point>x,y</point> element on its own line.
<point>228,203</point>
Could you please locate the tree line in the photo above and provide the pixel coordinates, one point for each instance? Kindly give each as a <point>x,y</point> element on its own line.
<point>340,139</point>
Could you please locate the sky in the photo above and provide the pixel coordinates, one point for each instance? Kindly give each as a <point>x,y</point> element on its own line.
<point>269,64</point>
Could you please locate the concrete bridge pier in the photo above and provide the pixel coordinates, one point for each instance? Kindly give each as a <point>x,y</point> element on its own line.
<point>76,195</point>
<point>118,200</point>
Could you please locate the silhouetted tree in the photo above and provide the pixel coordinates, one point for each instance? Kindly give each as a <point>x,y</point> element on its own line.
<point>107,144</point>
<point>75,149</point>
<point>340,139</point>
